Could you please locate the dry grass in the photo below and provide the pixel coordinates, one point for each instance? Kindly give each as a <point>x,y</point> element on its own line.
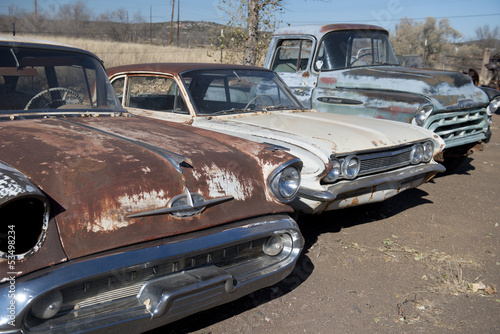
<point>118,53</point>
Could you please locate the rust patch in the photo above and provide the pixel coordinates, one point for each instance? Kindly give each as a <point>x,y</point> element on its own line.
<point>336,27</point>
<point>306,74</point>
<point>328,80</point>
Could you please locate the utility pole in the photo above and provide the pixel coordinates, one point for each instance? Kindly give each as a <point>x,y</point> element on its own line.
<point>178,19</point>
<point>172,22</point>
<point>150,24</point>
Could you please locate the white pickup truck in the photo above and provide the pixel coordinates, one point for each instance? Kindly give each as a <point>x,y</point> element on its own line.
<point>352,69</point>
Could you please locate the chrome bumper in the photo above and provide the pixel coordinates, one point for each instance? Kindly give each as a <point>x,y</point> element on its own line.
<point>395,180</point>
<point>146,297</point>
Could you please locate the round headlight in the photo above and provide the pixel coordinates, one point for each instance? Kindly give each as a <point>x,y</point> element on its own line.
<point>417,154</point>
<point>350,167</point>
<point>289,182</point>
<point>493,106</point>
<point>48,305</point>
<point>273,246</point>
<point>422,114</point>
<point>285,183</point>
<point>335,172</point>
<point>428,151</point>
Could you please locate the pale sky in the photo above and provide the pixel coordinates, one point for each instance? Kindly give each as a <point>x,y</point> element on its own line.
<point>464,15</point>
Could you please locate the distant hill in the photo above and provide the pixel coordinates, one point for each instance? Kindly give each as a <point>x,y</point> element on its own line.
<point>191,33</point>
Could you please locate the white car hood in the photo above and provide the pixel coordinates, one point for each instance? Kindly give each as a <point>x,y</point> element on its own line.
<point>324,132</point>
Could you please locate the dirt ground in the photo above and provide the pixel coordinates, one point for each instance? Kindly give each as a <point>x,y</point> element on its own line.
<point>424,261</point>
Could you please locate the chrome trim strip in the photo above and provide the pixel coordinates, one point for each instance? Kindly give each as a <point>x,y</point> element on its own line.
<point>198,205</point>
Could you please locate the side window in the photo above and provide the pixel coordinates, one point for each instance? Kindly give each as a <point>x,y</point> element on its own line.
<point>363,51</point>
<point>155,93</point>
<point>118,87</point>
<point>292,55</point>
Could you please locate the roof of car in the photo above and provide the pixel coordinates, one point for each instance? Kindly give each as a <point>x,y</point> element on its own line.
<point>176,68</point>
<point>322,29</point>
<point>21,41</point>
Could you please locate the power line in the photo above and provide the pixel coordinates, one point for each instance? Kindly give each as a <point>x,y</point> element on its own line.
<point>419,18</point>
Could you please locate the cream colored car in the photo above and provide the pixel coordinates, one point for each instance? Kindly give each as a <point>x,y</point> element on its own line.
<point>347,160</point>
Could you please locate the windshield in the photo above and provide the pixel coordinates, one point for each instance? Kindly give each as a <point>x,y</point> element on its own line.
<point>33,80</point>
<point>348,49</point>
<point>235,91</point>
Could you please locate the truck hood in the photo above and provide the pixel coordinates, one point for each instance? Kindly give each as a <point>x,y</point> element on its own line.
<point>445,89</point>
<point>320,133</point>
<point>98,171</point>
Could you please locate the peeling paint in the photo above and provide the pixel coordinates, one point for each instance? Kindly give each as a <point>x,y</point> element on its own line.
<point>223,182</point>
<point>9,187</point>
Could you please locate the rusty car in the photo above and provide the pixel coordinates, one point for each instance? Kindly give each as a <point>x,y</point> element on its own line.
<point>347,160</point>
<point>352,69</point>
<point>120,224</point>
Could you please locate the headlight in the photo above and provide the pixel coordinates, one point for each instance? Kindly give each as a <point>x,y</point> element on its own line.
<point>25,213</point>
<point>48,305</point>
<point>428,151</point>
<point>493,106</point>
<point>284,182</point>
<point>335,173</point>
<point>417,154</point>
<point>350,167</point>
<point>276,244</point>
<point>422,114</point>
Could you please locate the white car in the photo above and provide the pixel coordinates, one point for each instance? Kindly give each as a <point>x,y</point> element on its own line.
<point>347,160</point>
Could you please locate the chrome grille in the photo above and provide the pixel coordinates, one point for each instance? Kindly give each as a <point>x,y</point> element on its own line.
<point>383,160</point>
<point>126,284</point>
<point>459,126</point>
<point>373,163</point>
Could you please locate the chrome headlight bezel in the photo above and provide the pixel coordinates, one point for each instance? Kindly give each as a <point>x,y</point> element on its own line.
<point>493,106</point>
<point>422,114</point>
<point>335,173</point>
<point>428,151</point>
<point>351,171</point>
<point>284,181</point>
<point>417,154</point>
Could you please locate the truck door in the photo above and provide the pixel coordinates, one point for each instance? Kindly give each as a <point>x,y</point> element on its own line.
<point>292,61</point>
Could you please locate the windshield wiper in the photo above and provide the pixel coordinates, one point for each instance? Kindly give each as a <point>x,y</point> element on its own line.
<point>227,111</point>
<point>282,107</point>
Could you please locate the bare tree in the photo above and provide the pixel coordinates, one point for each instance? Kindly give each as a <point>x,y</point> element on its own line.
<point>75,16</point>
<point>252,20</point>
<point>488,37</point>
<point>430,39</point>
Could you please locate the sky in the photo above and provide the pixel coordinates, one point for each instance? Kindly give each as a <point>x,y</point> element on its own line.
<point>464,15</point>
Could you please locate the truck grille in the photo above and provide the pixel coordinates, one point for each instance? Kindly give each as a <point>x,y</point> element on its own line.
<point>459,127</point>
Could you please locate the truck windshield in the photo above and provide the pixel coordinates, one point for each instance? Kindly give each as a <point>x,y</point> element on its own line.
<point>347,49</point>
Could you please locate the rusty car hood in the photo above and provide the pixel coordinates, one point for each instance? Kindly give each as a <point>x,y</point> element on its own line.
<point>320,133</point>
<point>98,170</point>
<point>444,88</point>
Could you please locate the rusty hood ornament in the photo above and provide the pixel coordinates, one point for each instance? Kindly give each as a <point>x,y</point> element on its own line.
<point>184,205</point>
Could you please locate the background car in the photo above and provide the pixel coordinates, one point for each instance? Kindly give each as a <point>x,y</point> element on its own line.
<point>347,160</point>
<point>117,223</point>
